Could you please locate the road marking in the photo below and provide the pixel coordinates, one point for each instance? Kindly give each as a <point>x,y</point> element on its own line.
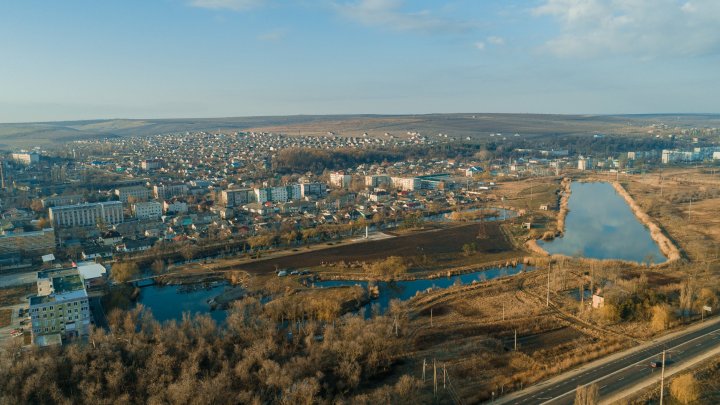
<point>603,386</point>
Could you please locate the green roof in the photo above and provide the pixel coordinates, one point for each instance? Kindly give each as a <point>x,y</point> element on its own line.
<point>68,283</point>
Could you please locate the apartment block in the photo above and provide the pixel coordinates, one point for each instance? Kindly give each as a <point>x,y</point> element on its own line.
<point>60,309</point>
<point>87,214</point>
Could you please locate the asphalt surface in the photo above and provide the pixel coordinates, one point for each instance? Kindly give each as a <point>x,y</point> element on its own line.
<point>626,371</point>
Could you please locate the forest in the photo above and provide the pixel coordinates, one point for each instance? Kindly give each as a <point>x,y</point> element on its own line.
<point>252,359</point>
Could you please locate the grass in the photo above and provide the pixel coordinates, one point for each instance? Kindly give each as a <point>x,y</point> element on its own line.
<point>16,295</point>
<point>5,317</point>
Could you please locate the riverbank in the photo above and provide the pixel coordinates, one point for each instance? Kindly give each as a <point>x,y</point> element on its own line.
<point>667,247</point>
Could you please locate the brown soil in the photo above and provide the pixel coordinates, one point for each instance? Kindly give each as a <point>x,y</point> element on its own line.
<point>435,244</point>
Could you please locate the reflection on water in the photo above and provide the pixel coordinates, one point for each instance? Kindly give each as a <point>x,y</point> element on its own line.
<point>601,225</point>
<point>404,290</point>
<point>169,302</point>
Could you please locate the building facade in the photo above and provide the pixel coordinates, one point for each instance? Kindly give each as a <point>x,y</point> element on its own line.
<point>61,305</point>
<point>166,192</point>
<point>148,210</point>
<point>137,193</point>
<point>237,198</point>
<point>340,180</point>
<point>88,214</point>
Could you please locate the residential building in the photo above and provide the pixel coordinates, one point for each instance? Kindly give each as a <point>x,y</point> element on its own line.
<point>166,192</point>
<point>277,194</point>
<point>35,243</point>
<point>147,210</point>
<point>60,307</point>
<point>151,164</point>
<point>87,214</point>
<point>340,180</point>
<point>61,200</point>
<point>584,164</point>
<point>175,207</point>
<point>377,180</point>
<point>405,183</point>
<point>26,158</point>
<point>317,190</point>
<point>137,193</point>
<point>237,197</point>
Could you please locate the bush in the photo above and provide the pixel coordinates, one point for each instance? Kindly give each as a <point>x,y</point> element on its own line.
<point>685,388</point>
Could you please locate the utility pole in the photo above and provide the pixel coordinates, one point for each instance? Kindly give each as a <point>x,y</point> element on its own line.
<point>424,364</point>
<point>503,311</point>
<point>431,317</point>
<point>434,378</point>
<point>515,346</point>
<point>662,378</point>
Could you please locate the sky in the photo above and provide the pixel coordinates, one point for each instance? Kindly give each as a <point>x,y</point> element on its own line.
<point>90,59</point>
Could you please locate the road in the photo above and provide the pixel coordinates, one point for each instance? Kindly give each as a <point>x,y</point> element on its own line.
<point>617,375</point>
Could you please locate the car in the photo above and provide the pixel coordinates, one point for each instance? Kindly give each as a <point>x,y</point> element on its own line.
<point>655,364</point>
<point>294,273</point>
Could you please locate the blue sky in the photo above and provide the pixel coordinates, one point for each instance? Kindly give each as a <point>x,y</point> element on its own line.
<point>83,59</point>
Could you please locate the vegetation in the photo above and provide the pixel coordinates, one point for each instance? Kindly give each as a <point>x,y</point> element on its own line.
<point>299,160</point>
<point>124,271</point>
<point>685,388</point>
<point>391,267</point>
<point>253,360</point>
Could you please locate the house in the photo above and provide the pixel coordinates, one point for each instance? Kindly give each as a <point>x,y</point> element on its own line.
<point>473,170</point>
<point>598,301</point>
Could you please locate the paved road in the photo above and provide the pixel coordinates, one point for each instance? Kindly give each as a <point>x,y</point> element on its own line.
<point>626,369</point>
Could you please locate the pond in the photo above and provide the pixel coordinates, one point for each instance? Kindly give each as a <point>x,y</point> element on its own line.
<point>404,290</point>
<point>171,301</point>
<point>600,225</point>
<point>168,302</point>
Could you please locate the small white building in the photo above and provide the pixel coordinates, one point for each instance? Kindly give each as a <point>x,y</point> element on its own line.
<point>147,210</point>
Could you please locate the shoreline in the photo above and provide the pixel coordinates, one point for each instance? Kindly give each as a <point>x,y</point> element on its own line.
<point>667,247</point>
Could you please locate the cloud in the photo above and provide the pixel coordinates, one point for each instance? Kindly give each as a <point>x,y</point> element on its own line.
<point>642,28</point>
<point>497,41</point>
<point>273,36</point>
<point>392,14</point>
<point>479,45</point>
<point>236,5</point>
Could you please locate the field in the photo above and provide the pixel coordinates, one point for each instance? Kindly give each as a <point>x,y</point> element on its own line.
<point>442,247</point>
<point>5,317</point>
<point>15,295</point>
<point>475,126</point>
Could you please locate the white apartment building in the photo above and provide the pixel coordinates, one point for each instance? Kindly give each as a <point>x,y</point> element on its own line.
<point>166,192</point>
<point>376,180</point>
<point>137,193</point>
<point>340,180</point>
<point>177,207</point>
<point>147,210</point>
<point>87,214</point>
<point>405,183</point>
<point>26,158</point>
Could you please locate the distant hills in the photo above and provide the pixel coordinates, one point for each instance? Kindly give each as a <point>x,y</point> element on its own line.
<point>24,135</point>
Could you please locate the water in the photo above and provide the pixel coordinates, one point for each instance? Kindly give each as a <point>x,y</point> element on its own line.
<point>600,225</point>
<point>167,303</point>
<point>404,290</point>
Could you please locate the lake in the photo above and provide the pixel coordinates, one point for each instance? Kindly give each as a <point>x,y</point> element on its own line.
<point>600,225</point>
<point>168,302</point>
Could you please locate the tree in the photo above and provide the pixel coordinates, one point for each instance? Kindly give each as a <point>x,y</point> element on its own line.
<point>469,248</point>
<point>685,388</point>
<point>124,271</point>
<point>662,316</point>
<point>586,395</point>
<point>390,267</point>
<point>158,266</point>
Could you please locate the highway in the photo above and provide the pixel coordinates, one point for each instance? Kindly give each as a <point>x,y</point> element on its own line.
<point>625,370</point>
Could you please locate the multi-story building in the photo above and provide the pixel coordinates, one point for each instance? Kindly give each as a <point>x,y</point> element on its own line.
<point>176,207</point>
<point>26,158</point>
<point>61,200</point>
<point>151,164</point>
<point>277,194</point>
<point>236,198</point>
<point>137,193</point>
<point>166,192</point>
<point>584,164</point>
<point>35,243</point>
<point>60,308</point>
<point>147,210</point>
<point>376,180</point>
<point>405,183</point>
<point>87,214</point>
<point>341,180</point>
<point>317,190</point>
